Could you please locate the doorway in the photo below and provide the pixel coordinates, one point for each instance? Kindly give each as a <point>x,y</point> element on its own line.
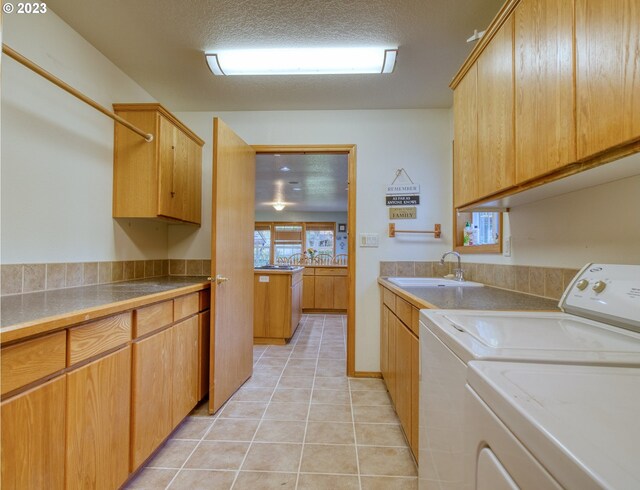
<point>349,151</point>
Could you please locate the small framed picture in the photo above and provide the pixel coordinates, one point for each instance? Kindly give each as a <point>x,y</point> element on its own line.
<point>342,227</point>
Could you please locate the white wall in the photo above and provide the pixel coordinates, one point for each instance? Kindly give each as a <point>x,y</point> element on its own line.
<point>418,140</point>
<point>57,152</point>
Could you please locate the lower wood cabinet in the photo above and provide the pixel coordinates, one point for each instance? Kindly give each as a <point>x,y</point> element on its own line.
<point>277,306</point>
<point>33,433</point>
<point>185,369</point>
<point>86,405</point>
<point>98,410</point>
<point>151,395</point>
<point>325,288</point>
<point>400,361</point>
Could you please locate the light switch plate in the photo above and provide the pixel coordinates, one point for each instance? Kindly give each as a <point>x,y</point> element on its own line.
<point>369,239</point>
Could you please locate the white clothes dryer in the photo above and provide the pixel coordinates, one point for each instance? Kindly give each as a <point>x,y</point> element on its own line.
<point>598,325</point>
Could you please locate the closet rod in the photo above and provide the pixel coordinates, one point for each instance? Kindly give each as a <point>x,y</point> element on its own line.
<point>68,88</point>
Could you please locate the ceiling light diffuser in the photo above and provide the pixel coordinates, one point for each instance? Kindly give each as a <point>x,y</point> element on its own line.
<point>279,206</point>
<point>302,61</point>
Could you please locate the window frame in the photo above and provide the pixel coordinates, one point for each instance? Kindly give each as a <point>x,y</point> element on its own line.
<point>272,225</point>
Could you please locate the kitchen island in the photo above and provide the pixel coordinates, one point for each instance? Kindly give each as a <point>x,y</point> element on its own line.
<point>277,305</point>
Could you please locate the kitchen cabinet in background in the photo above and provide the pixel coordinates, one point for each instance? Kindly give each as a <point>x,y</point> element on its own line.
<point>163,178</point>
<point>325,289</point>
<point>277,305</point>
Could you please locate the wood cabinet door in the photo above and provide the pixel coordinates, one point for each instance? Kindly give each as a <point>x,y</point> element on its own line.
<point>151,395</point>
<point>415,396</point>
<point>340,292</point>
<point>323,298</point>
<point>204,320</point>
<point>185,368</point>
<point>384,342</point>
<point>392,324</point>
<point>544,90</point>
<point>32,437</point>
<point>98,410</point>
<point>168,160</point>
<point>607,73</point>
<point>192,191</point>
<point>403,377</point>
<point>308,292</point>
<point>465,140</point>
<point>496,169</point>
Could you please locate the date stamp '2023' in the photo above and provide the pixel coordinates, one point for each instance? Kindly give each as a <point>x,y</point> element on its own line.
<point>24,8</point>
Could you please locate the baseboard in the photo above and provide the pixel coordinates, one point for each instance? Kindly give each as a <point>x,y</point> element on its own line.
<point>367,374</point>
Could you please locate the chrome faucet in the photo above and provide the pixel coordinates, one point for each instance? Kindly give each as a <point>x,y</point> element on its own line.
<point>459,273</point>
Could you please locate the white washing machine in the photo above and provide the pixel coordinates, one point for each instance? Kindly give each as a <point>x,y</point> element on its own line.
<point>599,326</point>
<point>551,426</point>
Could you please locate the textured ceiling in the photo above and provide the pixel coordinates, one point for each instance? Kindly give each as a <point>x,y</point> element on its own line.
<point>322,180</point>
<point>160,44</point>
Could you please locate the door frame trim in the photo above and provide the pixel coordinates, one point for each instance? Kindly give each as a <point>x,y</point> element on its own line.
<point>350,151</point>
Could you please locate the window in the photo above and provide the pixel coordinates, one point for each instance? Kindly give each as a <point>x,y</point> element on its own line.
<point>261,245</point>
<point>287,240</point>
<point>320,237</point>
<point>486,232</point>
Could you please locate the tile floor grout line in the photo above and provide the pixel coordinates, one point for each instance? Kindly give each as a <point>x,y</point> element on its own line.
<point>306,425</point>
<point>235,479</point>
<point>355,437</point>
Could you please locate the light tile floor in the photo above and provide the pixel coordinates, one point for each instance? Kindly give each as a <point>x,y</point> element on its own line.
<point>298,423</point>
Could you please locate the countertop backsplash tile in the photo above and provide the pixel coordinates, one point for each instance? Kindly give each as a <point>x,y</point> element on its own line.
<point>31,278</point>
<point>548,282</point>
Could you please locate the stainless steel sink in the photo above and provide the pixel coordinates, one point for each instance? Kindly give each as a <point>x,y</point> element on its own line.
<point>276,267</point>
<point>431,282</point>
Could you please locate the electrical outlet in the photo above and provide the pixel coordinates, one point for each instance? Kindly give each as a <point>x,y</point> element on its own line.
<point>369,239</point>
<point>506,247</point>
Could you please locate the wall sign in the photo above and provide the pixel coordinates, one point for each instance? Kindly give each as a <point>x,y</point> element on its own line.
<point>403,213</point>
<point>402,200</point>
<point>403,189</point>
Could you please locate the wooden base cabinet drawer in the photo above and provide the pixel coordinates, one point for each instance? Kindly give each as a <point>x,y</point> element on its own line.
<point>185,306</point>
<point>100,336</point>
<point>32,360</point>
<point>33,436</point>
<point>154,317</point>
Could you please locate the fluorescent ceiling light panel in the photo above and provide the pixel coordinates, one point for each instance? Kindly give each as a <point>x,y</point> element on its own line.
<point>302,61</point>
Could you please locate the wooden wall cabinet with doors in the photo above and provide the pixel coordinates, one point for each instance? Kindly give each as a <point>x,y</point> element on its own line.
<point>84,406</point>
<point>400,360</point>
<point>163,178</point>
<point>549,91</point>
<point>325,289</point>
<point>277,305</point>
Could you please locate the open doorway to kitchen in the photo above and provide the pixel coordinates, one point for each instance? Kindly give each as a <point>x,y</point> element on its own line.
<point>305,216</point>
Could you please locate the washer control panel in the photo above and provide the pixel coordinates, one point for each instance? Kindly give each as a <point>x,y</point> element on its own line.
<point>605,292</point>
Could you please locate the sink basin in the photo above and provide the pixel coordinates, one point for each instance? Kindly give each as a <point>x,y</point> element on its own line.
<point>276,267</point>
<point>432,282</point>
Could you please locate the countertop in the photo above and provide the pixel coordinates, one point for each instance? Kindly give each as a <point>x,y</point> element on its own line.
<point>24,315</point>
<point>471,298</point>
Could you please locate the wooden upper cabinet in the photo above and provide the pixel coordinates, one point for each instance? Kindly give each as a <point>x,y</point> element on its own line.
<point>161,179</point>
<point>496,170</point>
<point>607,74</point>
<point>465,143</point>
<point>544,105</point>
